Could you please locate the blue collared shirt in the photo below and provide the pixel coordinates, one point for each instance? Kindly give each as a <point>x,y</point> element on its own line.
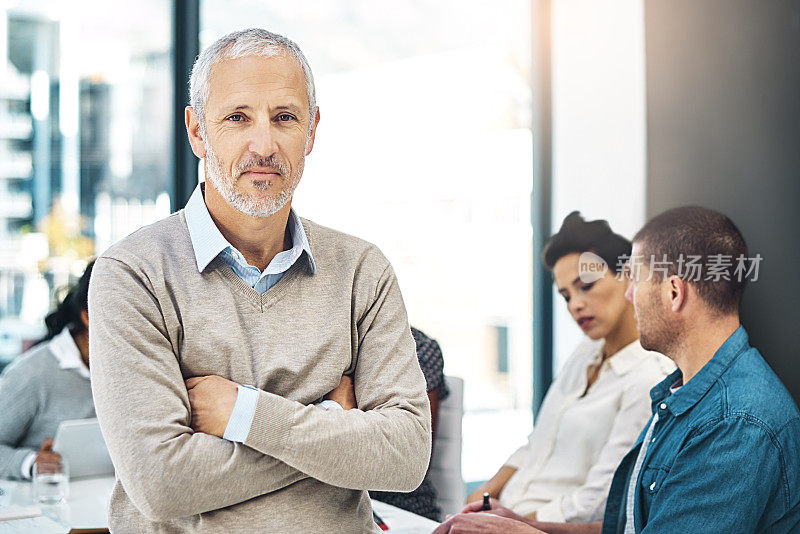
<point>208,243</point>
<point>724,455</point>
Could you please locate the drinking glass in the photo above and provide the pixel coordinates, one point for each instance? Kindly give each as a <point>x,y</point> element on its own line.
<point>50,482</point>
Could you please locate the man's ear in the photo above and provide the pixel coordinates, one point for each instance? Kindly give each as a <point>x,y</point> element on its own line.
<point>678,290</point>
<point>85,318</point>
<point>313,133</point>
<point>193,130</point>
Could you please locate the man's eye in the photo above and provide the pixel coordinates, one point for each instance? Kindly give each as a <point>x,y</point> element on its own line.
<point>285,117</point>
<point>236,117</point>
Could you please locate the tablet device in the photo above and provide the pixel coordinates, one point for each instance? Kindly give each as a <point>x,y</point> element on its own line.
<point>80,442</point>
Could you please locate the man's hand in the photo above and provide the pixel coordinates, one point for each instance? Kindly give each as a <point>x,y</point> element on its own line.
<point>484,523</point>
<point>47,460</point>
<point>496,509</point>
<point>524,524</point>
<point>344,394</point>
<point>212,399</point>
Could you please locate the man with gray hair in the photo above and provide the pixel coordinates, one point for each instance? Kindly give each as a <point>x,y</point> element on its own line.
<point>226,339</point>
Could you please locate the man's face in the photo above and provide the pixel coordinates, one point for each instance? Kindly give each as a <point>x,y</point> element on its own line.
<point>257,131</point>
<point>657,332</point>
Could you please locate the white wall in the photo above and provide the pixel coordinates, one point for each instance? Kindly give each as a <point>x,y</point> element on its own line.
<point>599,135</point>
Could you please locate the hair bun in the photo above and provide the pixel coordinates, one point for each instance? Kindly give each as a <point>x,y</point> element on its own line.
<point>579,235</point>
<point>575,221</point>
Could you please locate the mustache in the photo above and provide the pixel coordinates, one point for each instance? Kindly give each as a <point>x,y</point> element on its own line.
<point>255,160</point>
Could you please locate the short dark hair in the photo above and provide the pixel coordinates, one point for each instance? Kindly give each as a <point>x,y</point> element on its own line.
<point>688,231</point>
<point>579,235</point>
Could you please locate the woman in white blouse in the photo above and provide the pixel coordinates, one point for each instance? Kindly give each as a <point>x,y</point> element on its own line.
<point>599,402</point>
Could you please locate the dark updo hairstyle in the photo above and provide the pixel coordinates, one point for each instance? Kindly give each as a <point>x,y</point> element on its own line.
<point>579,235</point>
<point>68,312</point>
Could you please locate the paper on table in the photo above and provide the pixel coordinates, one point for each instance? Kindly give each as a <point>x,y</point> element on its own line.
<point>40,525</point>
<point>15,511</point>
<point>401,521</point>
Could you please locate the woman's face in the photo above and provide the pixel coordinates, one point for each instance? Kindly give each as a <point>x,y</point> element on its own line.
<point>597,307</point>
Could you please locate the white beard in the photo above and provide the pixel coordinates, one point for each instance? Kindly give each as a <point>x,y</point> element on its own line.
<point>250,205</point>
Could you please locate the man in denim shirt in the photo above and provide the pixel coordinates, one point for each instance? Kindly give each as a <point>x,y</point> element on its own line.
<point>722,450</point>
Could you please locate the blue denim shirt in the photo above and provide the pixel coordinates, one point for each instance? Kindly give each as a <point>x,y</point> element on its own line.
<point>724,456</point>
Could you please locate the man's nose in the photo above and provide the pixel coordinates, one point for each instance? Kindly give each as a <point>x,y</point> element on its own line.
<point>262,141</point>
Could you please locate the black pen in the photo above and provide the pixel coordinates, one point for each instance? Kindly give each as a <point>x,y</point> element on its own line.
<point>486,504</point>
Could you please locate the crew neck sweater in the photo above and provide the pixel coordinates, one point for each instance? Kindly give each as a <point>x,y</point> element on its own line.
<point>156,321</point>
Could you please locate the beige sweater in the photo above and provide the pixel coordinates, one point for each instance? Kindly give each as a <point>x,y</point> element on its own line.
<point>155,321</point>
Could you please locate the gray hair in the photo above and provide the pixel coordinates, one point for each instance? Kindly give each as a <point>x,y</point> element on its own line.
<point>243,43</point>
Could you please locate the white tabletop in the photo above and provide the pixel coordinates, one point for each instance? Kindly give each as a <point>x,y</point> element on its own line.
<point>87,505</point>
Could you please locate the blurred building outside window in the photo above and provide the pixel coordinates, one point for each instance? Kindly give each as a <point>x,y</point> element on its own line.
<point>85,114</point>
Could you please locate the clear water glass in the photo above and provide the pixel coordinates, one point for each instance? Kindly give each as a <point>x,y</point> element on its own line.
<point>50,482</point>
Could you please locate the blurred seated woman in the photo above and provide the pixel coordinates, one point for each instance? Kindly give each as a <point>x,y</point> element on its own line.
<point>47,385</point>
<point>599,402</point>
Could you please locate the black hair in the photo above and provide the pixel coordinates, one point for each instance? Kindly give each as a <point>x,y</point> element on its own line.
<point>579,235</point>
<point>68,311</point>
<point>701,232</point>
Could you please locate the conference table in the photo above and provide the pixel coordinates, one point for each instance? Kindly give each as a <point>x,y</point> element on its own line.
<point>86,510</point>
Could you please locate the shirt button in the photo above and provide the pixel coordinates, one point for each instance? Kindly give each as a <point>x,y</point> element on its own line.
<point>653,440</point>
<point>652,486</point>
<point>663,406</point>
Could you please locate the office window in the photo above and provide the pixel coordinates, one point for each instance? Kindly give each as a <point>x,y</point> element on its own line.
<point>424,148</point>
<point>599,126</point>
<point>85,116</point>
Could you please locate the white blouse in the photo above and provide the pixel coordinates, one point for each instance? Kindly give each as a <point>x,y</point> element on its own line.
<point>564,471</point>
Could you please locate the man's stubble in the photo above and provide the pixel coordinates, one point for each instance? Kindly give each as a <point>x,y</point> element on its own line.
<point>225,183</point>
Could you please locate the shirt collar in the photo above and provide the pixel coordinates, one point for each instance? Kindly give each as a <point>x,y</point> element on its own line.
<point>208,242</point>
<point>699,385</point>
<point>67,353</point>
<point>627,358</point>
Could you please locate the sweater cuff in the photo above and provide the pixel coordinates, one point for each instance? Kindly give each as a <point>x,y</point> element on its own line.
<point>242,415</point>
<point>26,469</point>
<point>551,512</point>
<point>272,421</point>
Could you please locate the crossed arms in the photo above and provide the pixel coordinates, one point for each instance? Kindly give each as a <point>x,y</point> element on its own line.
<point>144,411</point>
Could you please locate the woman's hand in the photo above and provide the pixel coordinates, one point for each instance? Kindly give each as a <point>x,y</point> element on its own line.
<point>496,509</point>
<point>494,485</point>
<point>47,460</point>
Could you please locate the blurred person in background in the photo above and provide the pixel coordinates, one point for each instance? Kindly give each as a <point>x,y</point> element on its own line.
<point>721,452</point>
<point>600,401</point>
<point>46,385</point>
